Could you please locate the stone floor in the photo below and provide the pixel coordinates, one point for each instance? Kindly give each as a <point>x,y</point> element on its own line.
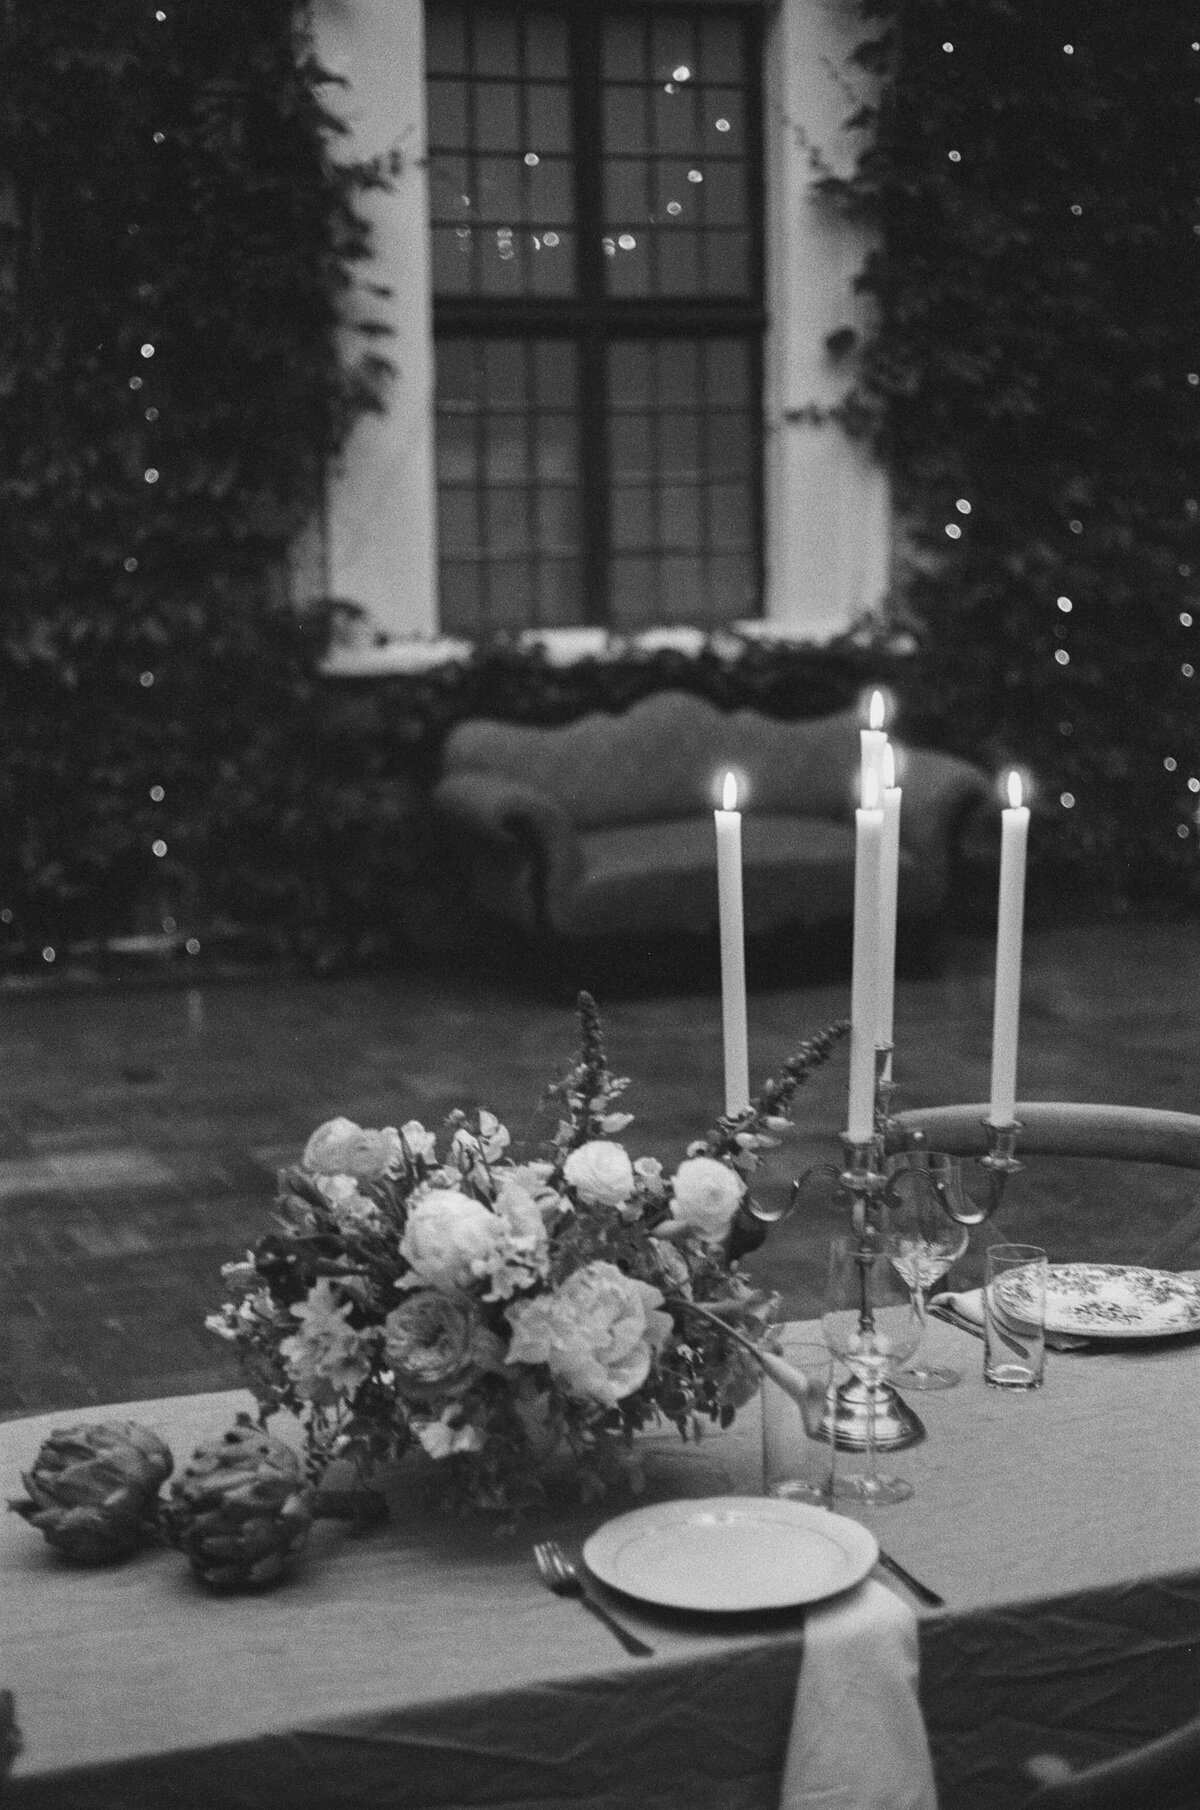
<point>140,1127</point>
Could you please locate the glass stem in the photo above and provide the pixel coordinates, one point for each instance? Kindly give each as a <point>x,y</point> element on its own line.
<point>872,1473</point>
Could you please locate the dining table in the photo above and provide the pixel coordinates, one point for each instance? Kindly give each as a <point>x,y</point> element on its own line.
<point>421,1663</point>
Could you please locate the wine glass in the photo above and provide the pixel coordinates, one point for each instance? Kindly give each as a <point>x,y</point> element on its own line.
<point>923,1239</point>
<point>874,1323</point>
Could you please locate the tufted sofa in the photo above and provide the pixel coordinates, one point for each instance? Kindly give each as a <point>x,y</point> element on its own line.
<point>604,827</point>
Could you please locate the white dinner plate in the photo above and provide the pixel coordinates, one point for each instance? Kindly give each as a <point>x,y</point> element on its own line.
<point>1114,1300</point>
<point>731,1553</point>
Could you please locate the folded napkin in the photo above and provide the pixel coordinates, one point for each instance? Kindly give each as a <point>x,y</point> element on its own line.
<point>858,1738</point>
<point>966,1306</point>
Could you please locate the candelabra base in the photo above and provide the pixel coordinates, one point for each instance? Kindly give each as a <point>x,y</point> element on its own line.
<point>896,1426</point>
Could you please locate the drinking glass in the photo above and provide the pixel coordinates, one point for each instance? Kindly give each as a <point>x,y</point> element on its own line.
<point>874,1323</point>
<point>798,1451</point>
<point>923,1239</point>
<point>1014,1316</point>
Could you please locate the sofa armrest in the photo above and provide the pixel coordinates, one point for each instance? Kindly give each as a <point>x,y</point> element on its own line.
<point>514,819</point>
<point>941,792</point>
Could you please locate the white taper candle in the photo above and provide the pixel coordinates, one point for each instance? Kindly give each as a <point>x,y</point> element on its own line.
<point>889,889</point>
<point>733,950</point>
<point>1010,921</point>
<point>864,984</point>
<point>872,742</point>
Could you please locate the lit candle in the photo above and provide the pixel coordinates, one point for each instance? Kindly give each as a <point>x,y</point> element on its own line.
<point>889,886</point>
<point>872,741</point>
<point>864,984</point>
<point>1014,835</point>
<point>733,951</point>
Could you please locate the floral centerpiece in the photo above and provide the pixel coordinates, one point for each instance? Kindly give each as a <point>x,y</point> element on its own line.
<point>498,1308</point>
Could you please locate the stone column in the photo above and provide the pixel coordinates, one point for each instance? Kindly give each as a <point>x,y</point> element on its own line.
<point>380,533</point>
<point>828,511</point>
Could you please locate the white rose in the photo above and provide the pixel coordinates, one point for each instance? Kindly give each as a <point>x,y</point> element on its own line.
<point>447,1235</point>
<point>600,1173</point>
<point>598,1333</point>
<point>705,1195</point>
<point>340,1147</point>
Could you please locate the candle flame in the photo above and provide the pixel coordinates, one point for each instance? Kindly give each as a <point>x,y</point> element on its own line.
<point>729,794</point>
<point>1014,789</point>
<point>870,790</point>
<point>875,713</point>
<point>889,765</point>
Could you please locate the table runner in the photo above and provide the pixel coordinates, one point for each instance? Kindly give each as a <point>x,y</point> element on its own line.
<point>1060,1528</point>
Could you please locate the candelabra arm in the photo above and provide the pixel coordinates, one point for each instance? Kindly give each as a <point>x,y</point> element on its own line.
<point>1000,1162</point>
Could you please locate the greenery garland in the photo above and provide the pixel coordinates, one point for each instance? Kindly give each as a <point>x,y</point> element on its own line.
<point>1032,375</point>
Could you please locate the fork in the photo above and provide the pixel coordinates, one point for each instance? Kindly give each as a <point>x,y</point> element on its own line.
<point>560,1575</point>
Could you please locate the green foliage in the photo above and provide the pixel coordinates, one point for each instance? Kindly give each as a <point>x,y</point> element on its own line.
<point>177,238</point>
<point>1034,354</point>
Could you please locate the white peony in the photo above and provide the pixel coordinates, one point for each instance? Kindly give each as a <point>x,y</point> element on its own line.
<point>340,1147</point>
<point>418,1141</point>
<point>449,1238</point>
<point>705,1195</point>
<point>350,1208</point>
<point>600,1173</point>
<point>598,1333</point>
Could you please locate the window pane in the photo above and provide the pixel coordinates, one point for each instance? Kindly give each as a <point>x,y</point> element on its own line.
<point>721,49</point>
<point>631,443</point>
<point>632,518</point>
<point>625,119</point>
<point>452,260</point>
<point>497,117</point>
<point>458,522</point>
<point>685,476</point>
<point>498,191</point>
<point>549,190</point>
<point>445,40</point>
<point>447,108</point>
<point>554,372</point>
<point>548,111</point>
<point>495,43</point>
<point>545,45</point>
<point>508,483</point>
<point>624,49</point>
<point>551,266</point>
<point>673,47</point>
<point>560,593</point>
<point>676,127</point>
<point>459,597</point>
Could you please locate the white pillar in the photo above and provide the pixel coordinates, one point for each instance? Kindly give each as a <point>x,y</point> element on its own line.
<point>828,513</point>
<point>381,540</point>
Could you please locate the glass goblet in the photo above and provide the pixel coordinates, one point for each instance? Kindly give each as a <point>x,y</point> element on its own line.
<point>923,1239</point>
<point>874,1323</point>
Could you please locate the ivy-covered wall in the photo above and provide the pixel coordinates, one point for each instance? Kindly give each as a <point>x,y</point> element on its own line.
<point>177,232</point>
<point>176,235</point>
<point>1032,171</point>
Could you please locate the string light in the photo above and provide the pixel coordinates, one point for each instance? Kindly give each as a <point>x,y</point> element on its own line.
<point>953,530</point>
<point>1067,800</point>
<point>146,679</point>
<point>962,505</point>
<point>1063,657</point>
<point>1065,605</point>
<point>954,156</point>
<point>158,847</point>
<point>1170,763</point>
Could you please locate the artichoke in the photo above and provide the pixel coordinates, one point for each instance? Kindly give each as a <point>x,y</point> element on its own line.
<point>241,1510</point>
<point>93,1490</point>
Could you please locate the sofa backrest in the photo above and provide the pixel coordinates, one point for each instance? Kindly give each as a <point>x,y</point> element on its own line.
<point>666,758</point>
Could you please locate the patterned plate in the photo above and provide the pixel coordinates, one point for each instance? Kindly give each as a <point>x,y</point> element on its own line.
<point>1114,1300</point>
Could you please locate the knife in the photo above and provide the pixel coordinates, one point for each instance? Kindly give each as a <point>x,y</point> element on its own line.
<point>919,1590</point>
